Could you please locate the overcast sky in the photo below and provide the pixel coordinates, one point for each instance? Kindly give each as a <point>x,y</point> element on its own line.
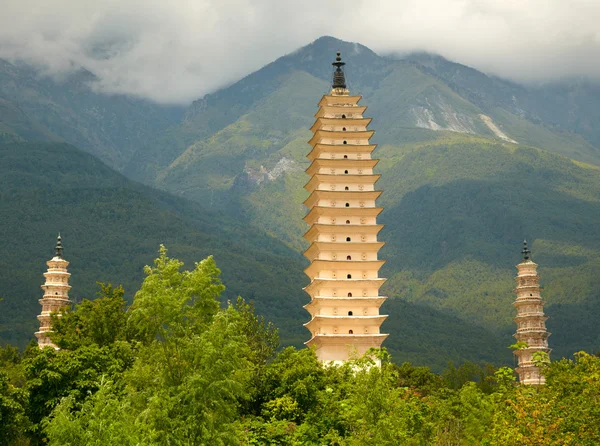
<point>177,51</point>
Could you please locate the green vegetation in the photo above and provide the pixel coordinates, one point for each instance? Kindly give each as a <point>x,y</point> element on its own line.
<point>456,212</point>
<point>569,105</point>
<point>36,107</point>
<point>458,201</point>
<point>177,368</point>
<point>112,226</point>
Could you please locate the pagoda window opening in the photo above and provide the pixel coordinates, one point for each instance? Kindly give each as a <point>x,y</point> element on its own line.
<point>345,142</point>
<point>347,222</point>
<point>350,332</point>
<point>345,157</point>
<point>348,257</point>
<point>343,129</point>
<point>530,294</point>
<point>349,294</point>
<point>348,239</point>
<point>347,205</point>
<point>343,116</point>
<point>346,188</point>
<point>349,276</point>
<point>345,171</point>
<point>349,313</point>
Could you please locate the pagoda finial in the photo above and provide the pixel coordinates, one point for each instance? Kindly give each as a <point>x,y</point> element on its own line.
<point>526,252</point>
<point>339,80</point>
<point>59,248</point>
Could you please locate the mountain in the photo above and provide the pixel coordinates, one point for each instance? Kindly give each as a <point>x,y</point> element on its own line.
<point>112,227</point>
<point>407,100</point>
<point>567,106</point>
<point>464,180</point>
<point>15,125</point>
<point>471,165</point>
<point>68,109</point>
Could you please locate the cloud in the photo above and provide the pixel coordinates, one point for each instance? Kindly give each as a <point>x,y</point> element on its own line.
<point>176,51</point>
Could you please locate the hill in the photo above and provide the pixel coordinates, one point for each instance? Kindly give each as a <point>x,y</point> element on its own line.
<point>463,181</point>
<point>273,107</point>
<point>471,165</point>
<point>68,109</point>
<point>568,106</point>
<point>112,227</point>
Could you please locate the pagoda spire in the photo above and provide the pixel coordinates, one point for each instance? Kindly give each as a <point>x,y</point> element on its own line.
<point>58,249</point>
<point>339,78</point>
<point>344,269</point>
<point>531,322</point>
<point>526,252</point>
<point>56,294</point>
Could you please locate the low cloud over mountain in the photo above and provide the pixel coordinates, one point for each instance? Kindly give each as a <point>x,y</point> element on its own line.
<point>174,52</point>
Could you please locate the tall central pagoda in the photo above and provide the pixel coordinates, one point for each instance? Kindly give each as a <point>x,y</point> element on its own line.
<point>344,268</point>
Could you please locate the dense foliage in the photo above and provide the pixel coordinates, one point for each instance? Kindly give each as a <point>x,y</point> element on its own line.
<point>111,227</point>
<point>177,368</point>
<point>457,205</point>
<point>102,224</point>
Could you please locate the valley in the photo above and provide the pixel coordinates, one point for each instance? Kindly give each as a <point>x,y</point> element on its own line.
<point>471,165</point>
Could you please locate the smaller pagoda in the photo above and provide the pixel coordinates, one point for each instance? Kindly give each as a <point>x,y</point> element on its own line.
<point>531,321</point>
<point>56,294</point>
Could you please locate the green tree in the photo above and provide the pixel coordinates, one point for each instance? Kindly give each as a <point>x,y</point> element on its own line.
<point>101,321</point>
<point>13,420</point>
<point>565,411</point>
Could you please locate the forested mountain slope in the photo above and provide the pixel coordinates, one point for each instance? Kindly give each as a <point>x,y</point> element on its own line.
<point>471,165</point>
<point>110,127</point>
<point>570,105</point>
<point>463,182</point>
<point>112,227</point>
<point>261,114</point>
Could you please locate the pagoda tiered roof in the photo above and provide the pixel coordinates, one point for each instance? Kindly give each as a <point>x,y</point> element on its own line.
<point>317,266</point>
<point>320,301</point>
<point>319,149</point>
<point>342,186</point>
<point>339,100</point>
<point>320,135</point>
<point>319,211</point>
<point>322,122</point>
<point>319,228</point>
<point>350,112</point>
<point>358,321</point>
<point>351,340</point>
<point>341,196</point>
<point>317,247</point>
<point>320,178</point>
<point>328,163</point>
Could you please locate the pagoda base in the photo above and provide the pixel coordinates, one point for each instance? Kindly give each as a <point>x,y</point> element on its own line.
<point>530,375</point>
<point>339,348</point>
<point>44,340</point>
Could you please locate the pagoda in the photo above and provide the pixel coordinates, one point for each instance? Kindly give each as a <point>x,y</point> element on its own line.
<point>56,294</point>
<point>531,321</point>
<point>344,269</point>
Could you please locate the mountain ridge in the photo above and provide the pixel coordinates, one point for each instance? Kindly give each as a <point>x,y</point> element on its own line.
<point>50,187</point>
<point>459,196</point>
